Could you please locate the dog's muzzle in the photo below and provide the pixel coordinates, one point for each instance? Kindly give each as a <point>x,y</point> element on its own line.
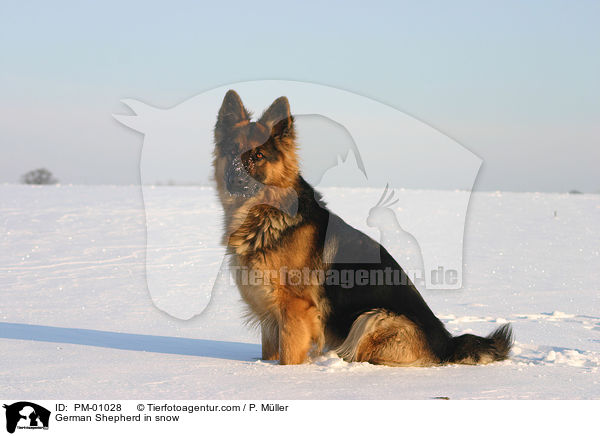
<point>238,181</point>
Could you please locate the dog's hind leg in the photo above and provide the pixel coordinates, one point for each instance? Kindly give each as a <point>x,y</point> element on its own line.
<point>385,338</point>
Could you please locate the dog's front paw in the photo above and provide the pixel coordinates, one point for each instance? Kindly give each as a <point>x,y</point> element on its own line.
<point>270,356</point>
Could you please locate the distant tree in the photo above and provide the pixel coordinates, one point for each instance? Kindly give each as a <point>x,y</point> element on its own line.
<point>575,191</point>
<point>41,176</point>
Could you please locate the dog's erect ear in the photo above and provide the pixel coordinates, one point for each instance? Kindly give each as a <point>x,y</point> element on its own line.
<point>232,112</point>
<point>279,119</point>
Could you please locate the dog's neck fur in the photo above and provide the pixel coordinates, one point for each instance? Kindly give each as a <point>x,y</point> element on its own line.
<point>258,223</point>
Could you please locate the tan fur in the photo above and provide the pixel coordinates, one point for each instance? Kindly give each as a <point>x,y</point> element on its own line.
<point>241,123</point>
<point>281,172</point>
<point>484,359</point>
<point>290,314</point>
<point>299,328</point>
<point>381,337</point>
<point>270,339</point>
<point>255,225</point>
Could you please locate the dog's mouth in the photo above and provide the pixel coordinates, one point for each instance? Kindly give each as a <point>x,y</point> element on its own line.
<point>245,190</point>
<point>244,193</point>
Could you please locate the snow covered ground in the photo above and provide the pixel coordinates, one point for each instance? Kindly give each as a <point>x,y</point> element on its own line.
<point>77,319</point>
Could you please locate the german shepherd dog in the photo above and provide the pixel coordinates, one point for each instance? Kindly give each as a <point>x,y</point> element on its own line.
<point>275,221</point>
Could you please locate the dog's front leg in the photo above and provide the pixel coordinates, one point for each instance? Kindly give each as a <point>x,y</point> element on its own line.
<point>269,331</point>
<point>298,328</point>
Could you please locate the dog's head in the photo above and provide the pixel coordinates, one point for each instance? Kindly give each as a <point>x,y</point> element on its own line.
<point>253,155</point>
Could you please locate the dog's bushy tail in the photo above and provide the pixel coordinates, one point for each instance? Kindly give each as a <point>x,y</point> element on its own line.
<point>472,350</point>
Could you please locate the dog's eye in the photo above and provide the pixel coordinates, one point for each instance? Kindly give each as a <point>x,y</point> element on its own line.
<point>259,155</point>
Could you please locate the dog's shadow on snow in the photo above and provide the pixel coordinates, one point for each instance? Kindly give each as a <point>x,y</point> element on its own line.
<point>127,341</point>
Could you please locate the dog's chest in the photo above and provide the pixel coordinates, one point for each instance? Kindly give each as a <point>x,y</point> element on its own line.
<point>257,229</point>
<point>255,287</point>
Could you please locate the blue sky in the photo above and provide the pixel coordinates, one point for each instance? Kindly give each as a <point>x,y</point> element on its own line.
<point>514,82</point>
